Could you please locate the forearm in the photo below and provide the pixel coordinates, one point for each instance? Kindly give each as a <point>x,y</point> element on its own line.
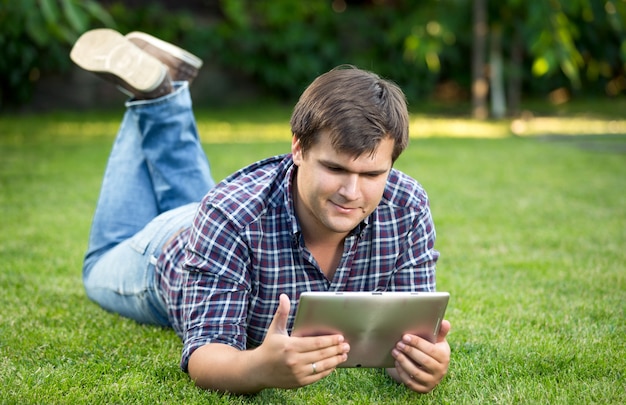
<point>221,367</point>
<point>281,361</point>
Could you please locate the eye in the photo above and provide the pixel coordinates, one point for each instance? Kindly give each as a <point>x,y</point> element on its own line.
<point>335,169</point>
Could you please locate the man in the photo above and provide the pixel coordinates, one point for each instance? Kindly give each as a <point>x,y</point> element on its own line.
<point>227,272</point>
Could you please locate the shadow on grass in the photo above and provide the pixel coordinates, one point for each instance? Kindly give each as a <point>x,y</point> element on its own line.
<point>609,143</point>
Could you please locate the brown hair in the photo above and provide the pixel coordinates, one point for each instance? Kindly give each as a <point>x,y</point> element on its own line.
<point>357,107</point>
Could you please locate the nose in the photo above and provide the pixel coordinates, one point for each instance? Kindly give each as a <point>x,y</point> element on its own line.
<point>350,187</point>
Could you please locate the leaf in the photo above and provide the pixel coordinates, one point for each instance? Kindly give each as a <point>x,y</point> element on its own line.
<point>35,29</point>
<point>76,17</point>
<point>235,10</point>
<point>571,71</point>
<point>540,66</point>
<point>50,11</point>
<point>98,12</point>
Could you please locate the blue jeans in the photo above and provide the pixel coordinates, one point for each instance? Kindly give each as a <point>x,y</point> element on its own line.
<point>156,175</point>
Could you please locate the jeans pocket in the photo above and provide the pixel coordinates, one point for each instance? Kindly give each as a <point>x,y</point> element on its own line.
<point>140,242</point>
<point>150,239</point>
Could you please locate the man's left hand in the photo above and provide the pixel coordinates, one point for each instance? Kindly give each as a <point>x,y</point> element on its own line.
<point>420,364</point>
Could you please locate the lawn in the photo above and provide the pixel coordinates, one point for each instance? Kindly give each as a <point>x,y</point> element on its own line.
<point>531,229</point>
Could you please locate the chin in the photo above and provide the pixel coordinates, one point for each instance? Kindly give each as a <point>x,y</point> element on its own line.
<point>343,227</point>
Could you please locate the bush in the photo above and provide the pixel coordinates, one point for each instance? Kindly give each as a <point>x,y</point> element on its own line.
<point>35,38</point>
<point>285,44</point>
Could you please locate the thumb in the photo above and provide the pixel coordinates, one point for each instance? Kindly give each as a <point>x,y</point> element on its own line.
<point>443,330</point>
<point>279,323</point>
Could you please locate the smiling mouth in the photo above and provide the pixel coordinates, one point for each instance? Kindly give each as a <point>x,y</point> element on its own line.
<point>344,208</point>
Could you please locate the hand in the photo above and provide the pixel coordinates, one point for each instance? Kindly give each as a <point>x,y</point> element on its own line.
<point>291,362</point>
<point>420,364</point>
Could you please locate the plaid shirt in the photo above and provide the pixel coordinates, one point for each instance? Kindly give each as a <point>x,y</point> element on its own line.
<point>221,279</point>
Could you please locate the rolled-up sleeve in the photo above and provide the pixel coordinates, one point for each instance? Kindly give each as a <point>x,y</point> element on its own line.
<point>216,286</point>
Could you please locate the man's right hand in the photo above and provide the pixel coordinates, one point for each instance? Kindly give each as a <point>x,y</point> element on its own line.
<point>291,362</point>
<point>281,361</point>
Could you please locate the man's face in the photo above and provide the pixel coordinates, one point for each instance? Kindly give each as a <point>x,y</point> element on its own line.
<point>335,191</point>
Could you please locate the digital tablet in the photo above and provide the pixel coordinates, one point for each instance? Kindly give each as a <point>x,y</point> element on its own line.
<point>371,322</point>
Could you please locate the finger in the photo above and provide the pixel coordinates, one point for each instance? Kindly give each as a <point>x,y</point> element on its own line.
<point>416,380</point>
<point>325,358</point>
<point>322,368</point>
<point>413,361</point>
<point>425,352</point>
<point>418,350</point>
<point>323,347</point>
<point>419,356</point>
<point>316,371</point>
<point>279,323</point>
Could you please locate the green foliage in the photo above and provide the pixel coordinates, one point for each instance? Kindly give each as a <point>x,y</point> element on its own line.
<point>35,38</point>
<point>281,45</point>
<point>576,43</point>
<point>285,44</point>
<point>179,27</point>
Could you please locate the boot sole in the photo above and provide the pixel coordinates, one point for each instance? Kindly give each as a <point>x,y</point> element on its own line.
<point>178,53</point>
<point>108,52</point>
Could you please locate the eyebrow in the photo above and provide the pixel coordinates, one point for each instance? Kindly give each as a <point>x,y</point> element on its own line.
<point>330,163</point>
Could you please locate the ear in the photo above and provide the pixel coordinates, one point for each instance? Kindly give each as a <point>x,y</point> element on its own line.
<point>296,150</point>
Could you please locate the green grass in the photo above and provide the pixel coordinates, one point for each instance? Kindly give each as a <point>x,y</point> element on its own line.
<point>532,234</point>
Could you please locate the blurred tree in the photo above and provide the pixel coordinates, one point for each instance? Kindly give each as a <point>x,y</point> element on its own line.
<point>436,39</point>
<point>543,45</point>
<point>479,40</point>
<point>567,38</point>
